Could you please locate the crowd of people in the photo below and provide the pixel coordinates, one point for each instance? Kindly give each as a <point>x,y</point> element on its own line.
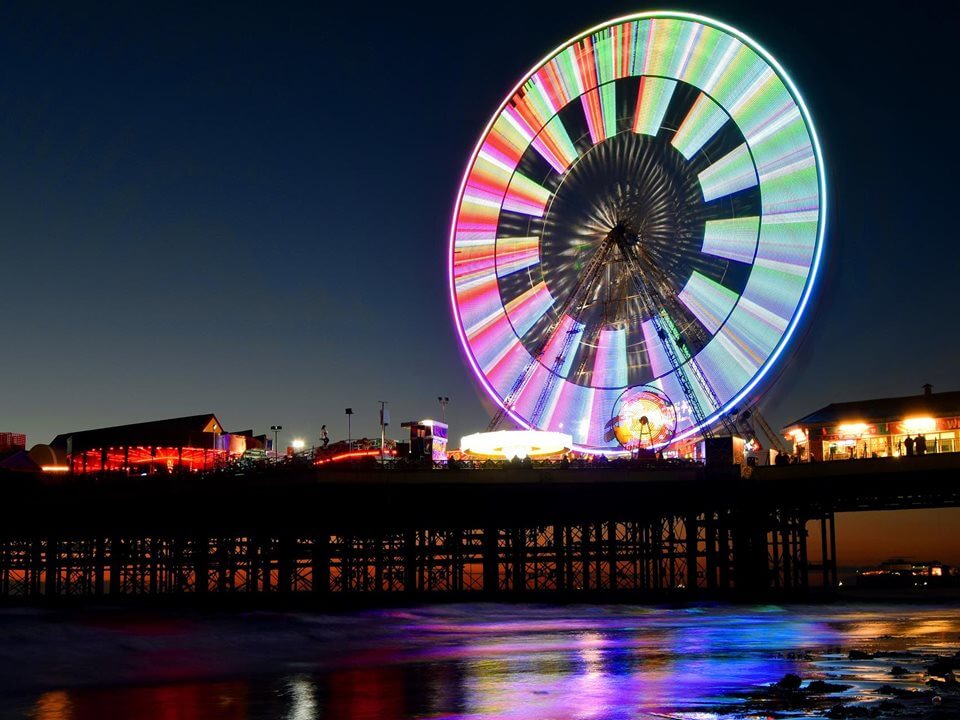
<point>656,461</point>
<point>914,446</point>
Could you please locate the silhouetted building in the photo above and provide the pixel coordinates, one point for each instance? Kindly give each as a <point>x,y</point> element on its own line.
<point>879,428</point>
<point>193,443</point>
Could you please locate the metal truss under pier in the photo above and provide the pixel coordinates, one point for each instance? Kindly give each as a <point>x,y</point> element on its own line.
<point>657,556</point>
<point>383,537</point>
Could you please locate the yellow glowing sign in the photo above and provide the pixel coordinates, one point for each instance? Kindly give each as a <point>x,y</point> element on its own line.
<point>508,444</point>
<point>858,428</point>
<point>919,424</point>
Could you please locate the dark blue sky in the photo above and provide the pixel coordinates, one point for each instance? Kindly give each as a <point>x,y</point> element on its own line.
<point>244,209</point>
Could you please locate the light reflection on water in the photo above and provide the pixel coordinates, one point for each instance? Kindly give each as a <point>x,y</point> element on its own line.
<point>468,662</point>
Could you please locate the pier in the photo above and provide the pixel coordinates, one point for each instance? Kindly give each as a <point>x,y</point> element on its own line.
<point>369,535</point>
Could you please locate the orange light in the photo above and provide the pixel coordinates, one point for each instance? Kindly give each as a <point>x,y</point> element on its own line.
<point>920,424</point>
<point>55,468</point>
<point>858,428</point>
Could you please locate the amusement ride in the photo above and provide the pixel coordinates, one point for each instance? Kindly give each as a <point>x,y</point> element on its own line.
<point>637,235</point>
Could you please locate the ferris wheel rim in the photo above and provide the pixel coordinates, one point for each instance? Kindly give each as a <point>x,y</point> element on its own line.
<point>811,281</point>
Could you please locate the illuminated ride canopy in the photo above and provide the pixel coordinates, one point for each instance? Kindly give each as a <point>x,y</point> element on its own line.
<point>509,444</point>
<point>646,208</point>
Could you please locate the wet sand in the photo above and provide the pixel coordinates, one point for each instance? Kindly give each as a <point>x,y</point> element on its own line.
<point>485,662</point>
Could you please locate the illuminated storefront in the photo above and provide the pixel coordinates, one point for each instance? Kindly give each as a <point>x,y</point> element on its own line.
<point>189,444</point>
<point>887,427</point>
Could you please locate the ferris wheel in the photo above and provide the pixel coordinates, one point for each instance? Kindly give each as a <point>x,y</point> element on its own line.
<point>644,212</point>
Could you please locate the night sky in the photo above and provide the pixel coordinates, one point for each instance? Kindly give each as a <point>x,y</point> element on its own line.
<point>244,209</point>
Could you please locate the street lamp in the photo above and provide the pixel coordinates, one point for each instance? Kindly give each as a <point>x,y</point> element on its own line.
<point>276,447</point>
<point>443,408</point>
<point>384,421</point>
<point>349,412</point>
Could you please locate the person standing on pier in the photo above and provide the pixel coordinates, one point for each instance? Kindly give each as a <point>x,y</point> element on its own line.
<point>908,443</point>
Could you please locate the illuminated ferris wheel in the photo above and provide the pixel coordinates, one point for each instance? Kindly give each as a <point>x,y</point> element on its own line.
<point>644,213</point>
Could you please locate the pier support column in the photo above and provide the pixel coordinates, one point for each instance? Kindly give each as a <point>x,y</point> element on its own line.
<point>560,568</point>
<point>517,559</point>
<point>833,550</point>
<point>751,574</point>
<point>692,530</point>
<point>802,540</point>
<point>285,562</point>
<point>116,555</point>
<point>710,551</point>
<point>610,551</point>
<point>99,560</point>
<point>320,560</point>
<point>52,570</point>
<point>491,570</point>
<point>201,563</point>
<point>411,571</point>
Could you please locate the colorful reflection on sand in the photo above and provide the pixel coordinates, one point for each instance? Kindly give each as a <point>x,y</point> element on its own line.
<point>476,662</point>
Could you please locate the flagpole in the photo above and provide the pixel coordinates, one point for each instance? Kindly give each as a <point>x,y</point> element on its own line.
<point>383,432</point>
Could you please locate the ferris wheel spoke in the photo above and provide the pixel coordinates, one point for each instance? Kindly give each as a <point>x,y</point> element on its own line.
<point>731,173</point>
<point>652,101</point>
<point>660,299</point>
<point>732,238</point>
<point>550,139</point>
<point>562,346</point>
<point>525,196</point>
<point>527,308</point>
<point>516,253</point>
<point>600,109</point>
<point>610,360</point>
<point>701,123</point>
<point>709,301</point>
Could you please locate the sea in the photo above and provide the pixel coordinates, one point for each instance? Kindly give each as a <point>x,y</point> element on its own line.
<point>470,662</point>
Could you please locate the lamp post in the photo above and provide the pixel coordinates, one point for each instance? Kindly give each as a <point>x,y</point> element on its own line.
<point>216,454</point>
<point>276,448</point>
<point>443,408</point>
<point>384,421</point>
<point>349,412</point>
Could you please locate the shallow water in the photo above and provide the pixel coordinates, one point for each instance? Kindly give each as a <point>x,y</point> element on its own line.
<point>476,662</point>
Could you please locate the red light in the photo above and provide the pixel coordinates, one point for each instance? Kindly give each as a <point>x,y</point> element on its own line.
<point>356,454</point>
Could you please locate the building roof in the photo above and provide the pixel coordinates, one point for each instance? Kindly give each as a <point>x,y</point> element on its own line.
<point>19,461</point>
<point>175,432</point>
<point>946,404</point>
